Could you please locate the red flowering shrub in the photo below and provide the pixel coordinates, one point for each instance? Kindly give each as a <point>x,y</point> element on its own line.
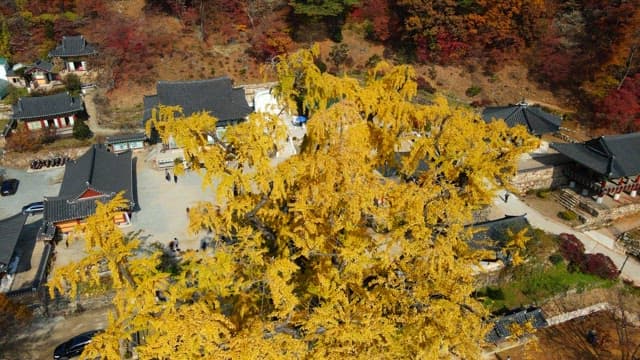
<point>572,249</point>
<point>600,265</point>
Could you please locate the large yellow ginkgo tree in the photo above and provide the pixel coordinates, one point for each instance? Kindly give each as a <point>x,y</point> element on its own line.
<point>352,248</point>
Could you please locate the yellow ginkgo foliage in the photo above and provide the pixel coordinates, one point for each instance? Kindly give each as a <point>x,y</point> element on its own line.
<point>320,255</point>
<point>516,244</point>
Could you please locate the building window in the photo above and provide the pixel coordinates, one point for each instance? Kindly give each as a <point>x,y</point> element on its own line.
<point>136,145</point>
<point>34,125</point>
<point>120,147</point>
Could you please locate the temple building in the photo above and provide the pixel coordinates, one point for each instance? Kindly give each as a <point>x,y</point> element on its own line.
<point>98,175</point>
<point>536,120</point>
<point>608,165</point>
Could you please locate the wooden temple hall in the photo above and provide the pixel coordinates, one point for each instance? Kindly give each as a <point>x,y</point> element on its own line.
<point>605,166</point>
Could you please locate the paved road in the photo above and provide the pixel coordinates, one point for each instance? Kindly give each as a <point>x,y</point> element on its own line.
<point>33,187</point>
<point>594,241</point>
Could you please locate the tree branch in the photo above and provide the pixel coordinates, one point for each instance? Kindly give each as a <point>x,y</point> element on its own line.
<point>259,224</point>
<point>632,52</point>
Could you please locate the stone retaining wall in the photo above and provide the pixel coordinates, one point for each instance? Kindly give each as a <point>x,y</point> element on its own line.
<point>559,319</point>
<point>620,211</point>
<point>545,177</point>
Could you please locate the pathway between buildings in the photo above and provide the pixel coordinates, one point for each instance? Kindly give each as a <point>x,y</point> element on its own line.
<point>594,241</point>
<point>90,107</point>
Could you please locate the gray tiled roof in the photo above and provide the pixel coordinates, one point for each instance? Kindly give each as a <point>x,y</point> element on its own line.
<point>98,170</point>
<point>61,209</point>
<point>612,156</point>
<point>120,138</point>
<point>496,230</point>
<point>150,102</point>
<point>536,120</point>
<point>394,167</point>
<point>10,230</point>
<point>73,46</point>
<point>40,65</point>
<point>47,106</point>
<point>501,327</point>
<point>216,96</point>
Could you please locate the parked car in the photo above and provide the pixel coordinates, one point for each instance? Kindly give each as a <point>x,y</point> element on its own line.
<point>33,208</point>
<point>75,345</point>
<point>299,120</point>
<point>9,187</point>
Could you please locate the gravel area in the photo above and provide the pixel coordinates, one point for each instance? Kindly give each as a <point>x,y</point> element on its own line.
<point>162,215</point>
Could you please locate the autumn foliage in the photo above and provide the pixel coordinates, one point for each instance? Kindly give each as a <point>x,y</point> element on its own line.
<point>23,140</point>
<point>620,109</point>
<point>571,248</point>
<point>296,269</point>
<point>598,264</point>
<point>12,314</point>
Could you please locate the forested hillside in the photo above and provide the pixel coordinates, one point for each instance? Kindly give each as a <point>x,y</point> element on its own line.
<point>585,51</point>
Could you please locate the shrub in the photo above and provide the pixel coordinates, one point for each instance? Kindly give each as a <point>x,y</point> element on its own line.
<point>572,249</point>
<point>81,130</point>
<point>72,83</point>
<point>320,64</point>
<point>423,84</point>
<point>47,136</point>
<point>543,193</point>
<point>481,103</point>
<point>433,74</point>
<point>600,265</point>
<point>495,293</point>
<point>568,215</point>
<point>339,54</point>
<point>14,93</point>
<point>473,91</point>
<point>556,258</point>
<point>23,140</point>
<point>373,60</point>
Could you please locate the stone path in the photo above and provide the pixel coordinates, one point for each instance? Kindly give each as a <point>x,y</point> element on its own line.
<point>93,117</point>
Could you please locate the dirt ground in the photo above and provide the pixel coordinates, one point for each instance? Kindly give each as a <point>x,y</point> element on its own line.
<point>40,338</point>
<point>569,341</point>
<point>548,207</point>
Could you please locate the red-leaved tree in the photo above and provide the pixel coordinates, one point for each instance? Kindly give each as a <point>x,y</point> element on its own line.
<point>620,109</point>
<point>599,265</point>
<point>384,21</point>
<point>572,249</point>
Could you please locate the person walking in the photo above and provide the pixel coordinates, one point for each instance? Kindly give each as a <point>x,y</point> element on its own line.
<point>506,197</point>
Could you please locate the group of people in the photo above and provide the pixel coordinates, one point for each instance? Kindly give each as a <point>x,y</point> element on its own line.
<point>167,176</point>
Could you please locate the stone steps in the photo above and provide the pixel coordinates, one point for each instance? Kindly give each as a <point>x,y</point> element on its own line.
<point>567,199</point>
